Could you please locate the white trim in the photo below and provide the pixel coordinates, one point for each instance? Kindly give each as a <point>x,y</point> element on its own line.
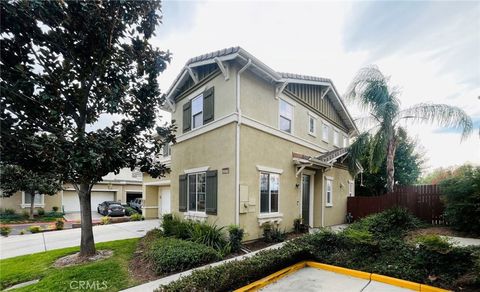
<point>197,169</point>
<point>26,205</point>
<point>351,183</point>
<point>158,183</point>
<point>329,127</point>
<point>270,218</point>
<point>95,190</point>
<point>268,214</point>
<point>193,75</point>
<point>269,169</point>
<point>328,179</point>
<point>223,67</point>
<point>281,134</point>
<point>208,127</point>
<point>197,216</point>
<point>196,93</point>
<point>150,207</point>
<point>312,194</point>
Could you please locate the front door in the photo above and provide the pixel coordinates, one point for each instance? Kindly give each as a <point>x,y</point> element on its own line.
<point>306,199</point>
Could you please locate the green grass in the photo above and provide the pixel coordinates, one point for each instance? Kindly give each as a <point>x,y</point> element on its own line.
<point>113,270</point>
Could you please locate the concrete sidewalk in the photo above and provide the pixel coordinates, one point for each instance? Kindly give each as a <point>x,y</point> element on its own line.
<point>17,245</point>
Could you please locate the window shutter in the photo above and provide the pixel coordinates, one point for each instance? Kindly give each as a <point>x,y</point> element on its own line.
<point>182,190</point>
<point>187,116</point>
<point>211,192</point>
<point>208,105</point>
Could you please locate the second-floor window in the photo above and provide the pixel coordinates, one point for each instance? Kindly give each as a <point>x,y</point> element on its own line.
<point>311,125</point>
<point>325,132</point>
<point>167,150</point>
<point>286,116</point>
<point>196,192</point>
<point>336,138</point>
<point>345,141</point>
<point>269,185</point>
<point>197,111</point>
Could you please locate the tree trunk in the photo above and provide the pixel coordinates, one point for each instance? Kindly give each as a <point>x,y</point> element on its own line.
<point>390,166</point>
<point>32,204</point>
<point>87,243</point>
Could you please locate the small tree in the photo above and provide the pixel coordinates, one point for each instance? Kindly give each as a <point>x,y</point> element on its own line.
<point>14,178</point>
<point>65,65</point>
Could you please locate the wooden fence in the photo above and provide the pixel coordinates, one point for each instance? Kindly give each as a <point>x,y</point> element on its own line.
<point>422,200</point>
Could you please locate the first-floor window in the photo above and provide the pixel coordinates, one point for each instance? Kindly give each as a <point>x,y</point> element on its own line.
<point>37,200</point>
<point>196,192</point>
<point>351,188</point>
<point>269,185</point>
<point>329,192</point>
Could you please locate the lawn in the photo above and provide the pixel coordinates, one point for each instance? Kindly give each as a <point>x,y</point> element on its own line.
<point>113,270</point>
<point>20,219</point>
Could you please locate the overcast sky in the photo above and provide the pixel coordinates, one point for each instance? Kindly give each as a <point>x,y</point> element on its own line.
<point>431,50</point>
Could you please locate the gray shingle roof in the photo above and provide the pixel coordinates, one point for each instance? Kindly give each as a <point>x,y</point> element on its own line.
<point>303,77</point>
<point>211,55</point>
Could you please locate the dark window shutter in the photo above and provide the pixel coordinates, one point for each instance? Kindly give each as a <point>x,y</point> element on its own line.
<point>208,105</point>
<point>182,190</point>
<point>187,116</point>
<point>211,192</point>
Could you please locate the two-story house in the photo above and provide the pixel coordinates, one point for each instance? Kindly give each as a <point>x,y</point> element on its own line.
<point>254,146</point>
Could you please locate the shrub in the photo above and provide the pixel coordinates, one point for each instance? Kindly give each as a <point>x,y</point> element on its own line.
<point>5,230</point>
<point>22,232</point>
<point>25,214</point>
<point>54,214</point>
<point>55,209</point>
<point>462,194</point>
<point>34,229</point>
<point>41,212</point>
<point>392,222</point>
<point>9,211</point>
<point>208,234</point>
<point>170,255</point>
<point>59,224</point>
<point>235,234</point>
<point>173,226</point>
<point>129,211</point>
<point>105,220</point>
<point>136,217</point>
<point>273,234</point>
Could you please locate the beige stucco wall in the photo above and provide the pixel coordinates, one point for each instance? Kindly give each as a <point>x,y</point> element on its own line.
<point>215,149</point>
<point>258,102</point>
<point>336,214</point>
<point>224,99</point>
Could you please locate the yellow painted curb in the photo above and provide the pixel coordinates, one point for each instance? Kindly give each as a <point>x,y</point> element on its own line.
<point>395,282</point>
<point>426,288</point>
<point>340,270</point>
<point>271,278</point>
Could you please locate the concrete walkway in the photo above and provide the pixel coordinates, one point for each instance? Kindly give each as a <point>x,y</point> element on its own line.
<point>463,241</point>
<point>17,245</point>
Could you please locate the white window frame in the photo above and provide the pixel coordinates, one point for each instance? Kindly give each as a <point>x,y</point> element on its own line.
<point>200,96</point>
<point>269,194</point>
<point>345,141</point>
<point>280,100</point>
<point>351,188</point>
<point>314,119</point>
<point>336,138</point>
<point>26,205</point>
<point>196,193</point>
<point>328,199</point>
<point>325,134</point>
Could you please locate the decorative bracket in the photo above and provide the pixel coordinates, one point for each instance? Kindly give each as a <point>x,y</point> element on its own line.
<point>193,75</point>
<point>279,89</point>
<point>325,92</point>
<point>223,67</point>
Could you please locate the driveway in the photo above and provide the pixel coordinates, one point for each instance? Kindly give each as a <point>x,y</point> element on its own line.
<point>75,216</point>
<point>17,245</point>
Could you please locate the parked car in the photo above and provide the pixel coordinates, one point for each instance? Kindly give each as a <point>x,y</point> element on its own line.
<point>136,204</point>
<point>111,208</point>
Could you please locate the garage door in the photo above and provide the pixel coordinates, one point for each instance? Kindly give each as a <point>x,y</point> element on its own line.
<point>72,204</point>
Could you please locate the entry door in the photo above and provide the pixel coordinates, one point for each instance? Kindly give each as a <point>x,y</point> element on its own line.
<point>165,206</point>
<point>306,199</point>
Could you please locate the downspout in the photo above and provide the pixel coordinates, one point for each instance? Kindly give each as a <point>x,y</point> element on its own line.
<point>237,144</point>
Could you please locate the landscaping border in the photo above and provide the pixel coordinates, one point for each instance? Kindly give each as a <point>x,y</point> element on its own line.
<point>349,272</point>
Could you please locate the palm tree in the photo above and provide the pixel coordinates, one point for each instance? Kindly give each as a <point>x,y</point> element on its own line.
<point>370,89</point>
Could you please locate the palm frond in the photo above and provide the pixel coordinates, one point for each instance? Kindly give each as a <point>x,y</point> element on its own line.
<point>356,149</point>
<point>441,114</point>
<point>378,149</point>
<point>367,122</point>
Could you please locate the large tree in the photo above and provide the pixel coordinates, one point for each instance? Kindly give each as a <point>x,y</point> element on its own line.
<point>14,178</point>
<point>408,164</point>
<point>371,90</point>
<point>65,65</point>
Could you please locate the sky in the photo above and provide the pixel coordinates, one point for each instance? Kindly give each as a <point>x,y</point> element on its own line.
<point>430,50</point>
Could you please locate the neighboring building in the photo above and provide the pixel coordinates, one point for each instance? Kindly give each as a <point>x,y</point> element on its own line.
<point>122,187</point>
<point>254,146</point>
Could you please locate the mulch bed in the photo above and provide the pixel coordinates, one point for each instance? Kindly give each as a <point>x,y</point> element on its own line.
<point>75,259</point>
<point>439,230</point>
